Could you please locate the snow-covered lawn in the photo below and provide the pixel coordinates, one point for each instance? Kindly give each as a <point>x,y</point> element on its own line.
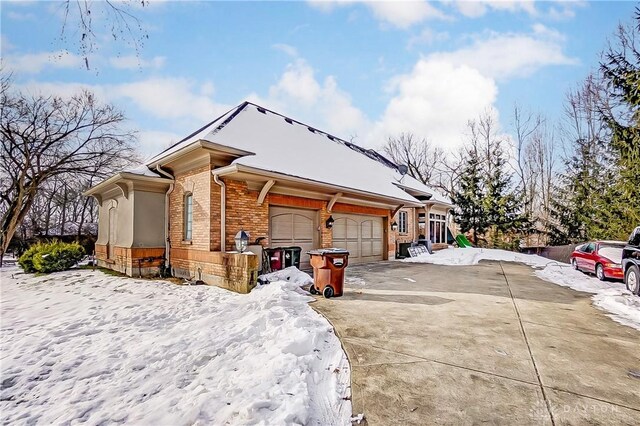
<point>82,346</point>
<point>612,296</point>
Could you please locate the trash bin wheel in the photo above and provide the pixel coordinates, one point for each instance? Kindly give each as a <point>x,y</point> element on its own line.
<point>313,290</point>
<point>328,292</point>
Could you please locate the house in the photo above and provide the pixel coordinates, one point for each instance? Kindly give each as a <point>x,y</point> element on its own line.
<point>276,178</point>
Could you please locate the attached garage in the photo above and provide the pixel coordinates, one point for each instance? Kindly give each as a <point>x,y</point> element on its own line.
<point>361,235</point>
<point>294,227</point>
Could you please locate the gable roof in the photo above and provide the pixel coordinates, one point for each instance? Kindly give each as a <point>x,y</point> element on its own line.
<point>276,143</point>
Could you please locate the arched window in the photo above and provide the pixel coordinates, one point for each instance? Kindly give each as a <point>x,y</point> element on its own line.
<point>188,216</point>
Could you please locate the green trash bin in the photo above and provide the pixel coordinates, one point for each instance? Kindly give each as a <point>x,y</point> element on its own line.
<point>292,256</point>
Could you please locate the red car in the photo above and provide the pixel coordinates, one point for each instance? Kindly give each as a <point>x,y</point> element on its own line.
<point>602,258</point>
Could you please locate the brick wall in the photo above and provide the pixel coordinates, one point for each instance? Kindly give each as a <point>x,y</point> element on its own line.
<point>243,213</point>
<point>136,261</point>
<point>199,182</point>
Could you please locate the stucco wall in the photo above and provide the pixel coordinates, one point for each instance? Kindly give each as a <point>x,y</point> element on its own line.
<point>124,219</point>
<point>148,230</point>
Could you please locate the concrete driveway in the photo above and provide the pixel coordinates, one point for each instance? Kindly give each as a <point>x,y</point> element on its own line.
<point>489,343</point>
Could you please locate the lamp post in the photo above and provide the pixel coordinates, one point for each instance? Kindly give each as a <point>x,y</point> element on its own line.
<point>394,226</point>
<point>242,241</point>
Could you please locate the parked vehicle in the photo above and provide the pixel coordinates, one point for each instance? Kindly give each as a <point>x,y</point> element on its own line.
<point>602,258</point>
<point>631,262</point>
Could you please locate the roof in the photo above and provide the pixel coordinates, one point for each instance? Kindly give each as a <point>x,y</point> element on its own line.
<point>276,143</point>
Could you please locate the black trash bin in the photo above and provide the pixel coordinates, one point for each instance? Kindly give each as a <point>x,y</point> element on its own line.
<point>292,256</point>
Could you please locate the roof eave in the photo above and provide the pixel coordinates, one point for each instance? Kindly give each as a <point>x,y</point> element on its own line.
<point>236,168</point>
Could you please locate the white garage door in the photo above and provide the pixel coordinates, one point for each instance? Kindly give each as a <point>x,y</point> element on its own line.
<point>294,227</point>
<point>362,235</point>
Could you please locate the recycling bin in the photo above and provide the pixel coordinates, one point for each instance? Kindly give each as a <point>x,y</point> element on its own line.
<point>275,256</point>
<point>328,271</point>
<point>292,256</point>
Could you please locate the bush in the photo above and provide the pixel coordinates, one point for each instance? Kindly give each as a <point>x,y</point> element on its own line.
<point>51,257</point>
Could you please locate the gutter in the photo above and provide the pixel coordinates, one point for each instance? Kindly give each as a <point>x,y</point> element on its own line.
<point>236,168</point>
<point>223,202</point>
<point>167,239</point>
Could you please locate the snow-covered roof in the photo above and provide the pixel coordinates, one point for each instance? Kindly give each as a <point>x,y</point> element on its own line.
<point>282,145</point>
<point>409,182</point>
<point>141,170</point>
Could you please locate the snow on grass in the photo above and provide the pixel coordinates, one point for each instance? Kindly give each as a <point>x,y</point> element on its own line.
<point>83,346</point>
<point>610,296</point>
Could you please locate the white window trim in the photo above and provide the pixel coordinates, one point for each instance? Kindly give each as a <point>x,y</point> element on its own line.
<point>402,222</point>
<point>187,228</point>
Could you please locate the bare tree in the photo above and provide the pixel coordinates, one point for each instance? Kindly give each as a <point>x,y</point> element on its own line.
<point>44,138</point>
<point>85,21</point>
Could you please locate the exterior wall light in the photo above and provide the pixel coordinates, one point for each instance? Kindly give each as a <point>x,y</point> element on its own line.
<point>242,241</point>
<point>329,222</point>
<point>394,226</point>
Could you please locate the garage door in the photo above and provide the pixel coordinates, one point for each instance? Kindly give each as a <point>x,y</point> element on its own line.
<point>294,227</point>
<point>362,235</point>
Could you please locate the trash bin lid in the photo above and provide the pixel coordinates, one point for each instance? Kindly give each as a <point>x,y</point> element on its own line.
<point>331,250</point>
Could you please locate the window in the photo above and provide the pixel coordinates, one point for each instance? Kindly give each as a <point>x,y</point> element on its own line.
<point>402,222</point>
<point>188,216</point>
<point>437,228</point>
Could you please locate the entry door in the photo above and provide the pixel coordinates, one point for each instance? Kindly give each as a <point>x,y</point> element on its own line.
<point>294,227</point>
<point>361,235</point>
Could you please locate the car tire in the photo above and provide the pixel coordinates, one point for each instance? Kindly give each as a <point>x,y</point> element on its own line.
<point>600,272</point>
<point>327,292</point>
<point>574,264</point>
<point>632,279</point>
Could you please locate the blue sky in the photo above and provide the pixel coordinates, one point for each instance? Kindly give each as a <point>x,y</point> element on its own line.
<point>357,69</point>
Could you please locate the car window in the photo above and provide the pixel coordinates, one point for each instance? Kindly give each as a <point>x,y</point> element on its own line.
<point>589,248</point>
<point>614,254</point>
<point>634,238</point>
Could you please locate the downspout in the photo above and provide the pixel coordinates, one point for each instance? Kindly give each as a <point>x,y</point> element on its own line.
<point>167,241</point>
<point>223,210</point>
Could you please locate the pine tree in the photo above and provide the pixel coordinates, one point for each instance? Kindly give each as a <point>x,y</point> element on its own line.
<point>621,71</point>
<point>468,198</point>
<point>501,203</point>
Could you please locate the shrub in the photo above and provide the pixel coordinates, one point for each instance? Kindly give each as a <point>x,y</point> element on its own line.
<point>51,257</point>
<point>26,259</point>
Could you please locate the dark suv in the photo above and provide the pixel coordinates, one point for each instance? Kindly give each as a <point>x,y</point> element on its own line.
<point>631,262</point>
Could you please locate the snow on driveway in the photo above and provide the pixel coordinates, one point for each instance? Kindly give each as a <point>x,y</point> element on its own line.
<point>611,296</point>
<point>83,346</point>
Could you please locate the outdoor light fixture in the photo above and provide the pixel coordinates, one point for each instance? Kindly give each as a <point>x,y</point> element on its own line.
<point>329,222</point>
<point>242,241</point>
<point>394,226</point>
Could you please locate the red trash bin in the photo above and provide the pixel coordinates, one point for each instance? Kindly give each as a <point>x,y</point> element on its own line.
<point>328,271</point>
<point>275,258</point>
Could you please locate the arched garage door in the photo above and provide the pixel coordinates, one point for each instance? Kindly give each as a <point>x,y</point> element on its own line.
<point>294,227</point>
<point>362,235</point>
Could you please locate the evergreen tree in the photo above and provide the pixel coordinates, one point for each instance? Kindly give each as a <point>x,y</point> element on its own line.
<point>468,198</point>
<point>501,203</point>
<point>621,71</point>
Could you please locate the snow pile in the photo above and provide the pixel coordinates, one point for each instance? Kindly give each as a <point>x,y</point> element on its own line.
<point>290,274</point>
<point>82,346</point>
<point>610,296</point>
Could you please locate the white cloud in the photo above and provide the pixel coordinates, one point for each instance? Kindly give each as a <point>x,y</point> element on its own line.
<point>133,62</point>
<point>402,14</point>
<point>427,37</point>
<point>289,50</point>
<point>435,100</point>
<point>478,8</point>
<point>511,55</point>
<point>169,98</point>
<point>321,104</point>
<point>33,63</point>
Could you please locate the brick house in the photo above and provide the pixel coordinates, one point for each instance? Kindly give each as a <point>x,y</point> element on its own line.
<point>279,180</point>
